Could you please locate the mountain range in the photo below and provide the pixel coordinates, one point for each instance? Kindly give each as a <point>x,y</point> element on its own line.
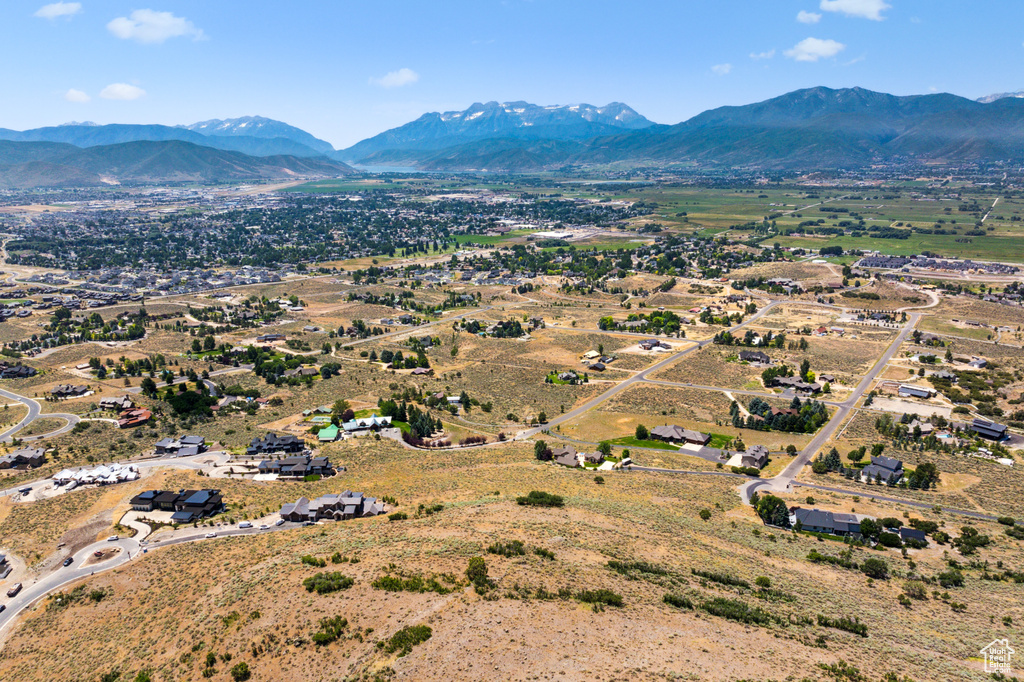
<point>58,164</point>
<point>252,135</point>
<point>508,120</point>
<point>814,128</point>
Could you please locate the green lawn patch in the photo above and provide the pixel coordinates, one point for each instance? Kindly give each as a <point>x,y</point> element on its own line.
<point>632,442</point>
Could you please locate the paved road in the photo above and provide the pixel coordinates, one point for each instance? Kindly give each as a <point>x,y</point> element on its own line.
<point>639,376</point>
<point>131,549</point>
<point>785,478</point>
<point>885,498</point>
<point>209,382</point>
<point>35,412</point>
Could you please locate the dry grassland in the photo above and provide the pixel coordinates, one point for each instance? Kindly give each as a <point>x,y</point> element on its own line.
<point>243,596</point>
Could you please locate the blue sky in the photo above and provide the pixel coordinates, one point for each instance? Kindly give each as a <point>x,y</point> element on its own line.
<point>348,70</point>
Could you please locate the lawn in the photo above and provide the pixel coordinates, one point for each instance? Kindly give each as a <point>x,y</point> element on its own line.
<point>632,442</point>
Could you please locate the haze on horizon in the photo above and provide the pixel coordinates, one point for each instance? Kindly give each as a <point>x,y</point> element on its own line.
<point>345,73</point>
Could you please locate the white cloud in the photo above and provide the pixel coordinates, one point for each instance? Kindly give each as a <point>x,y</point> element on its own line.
<point>722,69</point>
<point>73,95</point>
<point>813,49</point>
<point>396,79</point>
<point>805,17</point>
<point>148,26</point>
<point>122,91</point>
<point>865,9</point>
<point>762,55</point>
<point>58,9</point>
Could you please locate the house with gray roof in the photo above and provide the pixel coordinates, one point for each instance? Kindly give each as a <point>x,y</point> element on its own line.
<point>884,469</point>
<point>332,507</point>
<point>822,521</point>
<point>672,433</point>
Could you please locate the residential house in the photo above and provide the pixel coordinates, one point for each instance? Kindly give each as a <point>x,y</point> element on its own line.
<point>25,458</point>
<point>755,457</point>
<point>104,474</point>
<point>677,434</point>
<point>882,468</point>
<point>755,356</point>
<point>16,371</point>
<point>185,446</point>
<point>821,521</point>
<point>68,391</point>
<point>423,371</point>
<point>335,506</point>
<point>327,434</point>
<point>275,443</point>
<point>136,417</point>
<point>269,338</point>
<point>913,534</point>
<point>797,384</point>
<point>653,344</point>
<point>371,423</point>
<point>597,367</point>
<point>186,505</point>
<point>988,429</point>
<point>116,404</point>
<point>566,456</point>
<point>300,372</point>
<point>297,466</point>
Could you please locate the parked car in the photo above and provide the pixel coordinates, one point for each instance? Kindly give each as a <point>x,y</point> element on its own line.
<point>13,592</point>
<point>3,607</point>
<point>278,522</point>
<point>264,526</point>
<point>211,535</point>
<point>98,554</point>
<point>69,561</point>
<point>245,524</point>
<point>113,538</point>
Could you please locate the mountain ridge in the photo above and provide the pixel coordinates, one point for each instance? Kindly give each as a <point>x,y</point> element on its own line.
<point>811,128</point>
<point>271,138</point>
<point>517,119</point>
<point>25,164</point>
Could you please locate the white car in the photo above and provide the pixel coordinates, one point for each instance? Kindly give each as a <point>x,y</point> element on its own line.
<point>245,524</point>
<point>278,522</point>
<point>113,538</point>
<point>211,535</point>
<point>264,526</point>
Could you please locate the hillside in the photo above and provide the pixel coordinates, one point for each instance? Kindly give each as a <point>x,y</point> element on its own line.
<point>268,138</point>
<point>511,120</point>
<point>47,164</point>
<point>811,128</point>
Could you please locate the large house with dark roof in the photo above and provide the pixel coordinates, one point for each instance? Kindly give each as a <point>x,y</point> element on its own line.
<point>335,506</point>
<point>988,429</point>
<point>677,434</point>
<point>185,446</point>
<point>884,469</point>
<point>821,521</point>
<point>275,443</point>
<point>24,458</point>
<point>186,505</point>
<point>297,466</point>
